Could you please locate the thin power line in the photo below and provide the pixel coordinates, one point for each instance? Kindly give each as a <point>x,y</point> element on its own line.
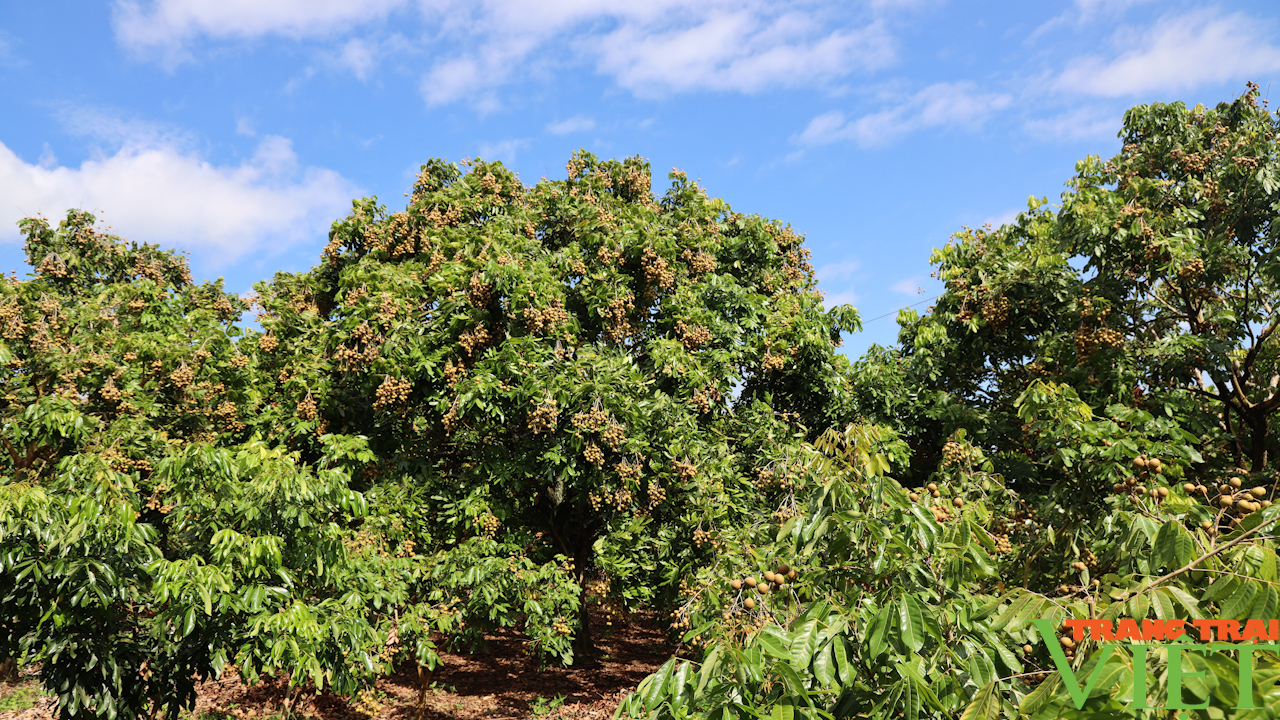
<point>895,312</point>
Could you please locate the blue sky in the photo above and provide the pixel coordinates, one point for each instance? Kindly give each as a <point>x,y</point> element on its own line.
<point>238,130</point>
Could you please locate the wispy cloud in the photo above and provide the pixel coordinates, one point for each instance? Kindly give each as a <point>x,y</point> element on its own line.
<point>1083,123</point>
<point>165,27</point>
<point>907,286</point>
<point>575,124</point>
<point>653,48</point>
<point>1179,53</point>
<point>504,150</point>
<point>842,270</point>
<point>941,105</point>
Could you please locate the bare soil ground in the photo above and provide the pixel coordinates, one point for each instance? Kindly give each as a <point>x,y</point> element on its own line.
<point>502,684</point>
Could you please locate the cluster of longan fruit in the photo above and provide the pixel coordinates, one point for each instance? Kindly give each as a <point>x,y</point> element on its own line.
<point>392,391</point>
<point>479,292</point>
<point>692,336</point>
<point>183,376</point>
<point>268,343</point>
<point>560,627</point>
<point>110,392</point>
<point>1146,468</point>
<point>307,408</point>
<point>593,454</point>
<point>953,453</point>
<point>781,477</point>
<point>700,262</point>
<point>996,311</point>
<point>656,269</point>
<point>474,339</point>
<point>543,418</point>
<point>685,469</point>
<point>938,507</point>
<point>1233,496</point>
<point>1090,560</point>
<point>1192,269</point>
<point>775,579</point>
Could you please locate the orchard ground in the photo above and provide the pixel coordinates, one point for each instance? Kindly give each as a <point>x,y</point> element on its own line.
<point>503,683</point>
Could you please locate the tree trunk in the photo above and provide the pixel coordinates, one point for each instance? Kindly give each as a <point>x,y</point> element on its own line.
<point>424,679</point>
<point>1259,430</point>
<point>583,644</point>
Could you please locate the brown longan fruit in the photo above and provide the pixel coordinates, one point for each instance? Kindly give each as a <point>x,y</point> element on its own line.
<point>1162,492</point>
<point>1243,505</point>
<point>1188,488</point>
<point>1200,489</point>
<point>935,494</point>
<point>1155,465</point>
<point>958,502</point>
<point>1235,482</point>
<point>737,584</point>
<point>1266,503</point>
<point>933,487</point>
<point>782,569</point>
<point>1224,489</point>
<point>751,581</point>
<point>1206,524</point>
<point>1140,463</point>
<point>762,589</point>
<point>1225,501</point>
<point>1026,649</point>
<point>769,576</point>
<point>1118,487</point>
<point>792,575</point>
<point>913,497</point>
<point>780,580</point>
<point>1259,492</point>
<point>1142,491</point>
<point>749,603</point>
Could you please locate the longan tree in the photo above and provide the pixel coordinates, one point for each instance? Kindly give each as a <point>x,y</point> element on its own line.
<point>575,370</point>
<point>1089,413</point>
<point>147,537</point>
<point>1152,286</point>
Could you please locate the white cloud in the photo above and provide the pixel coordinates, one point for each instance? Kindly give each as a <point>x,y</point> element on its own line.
<point>8,58</point>
<point>1003,218</point>
<point>154,190</point>
<point>841,270</point>
<point>1085,11</point>
<point>1178,53</point>
<point>650,48</point>
<point>358,55</point>
<point>738,50</point>
<point>503,150</point>
<point>940,105</point>
<point>907,286</point>
<point>167,25</point>
<point>1080,124</point>
<point>848,296</point>
<point>575,124</point>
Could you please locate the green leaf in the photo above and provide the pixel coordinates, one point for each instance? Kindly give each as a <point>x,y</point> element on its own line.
<point>912,623</point>
<point>774,641</point>
<point>824,666</point>
<point>985,704</point>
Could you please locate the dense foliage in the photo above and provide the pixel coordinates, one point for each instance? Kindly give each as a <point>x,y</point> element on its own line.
<point>1081,428</point>
<point>505,404</point>
<point>488,410</point>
